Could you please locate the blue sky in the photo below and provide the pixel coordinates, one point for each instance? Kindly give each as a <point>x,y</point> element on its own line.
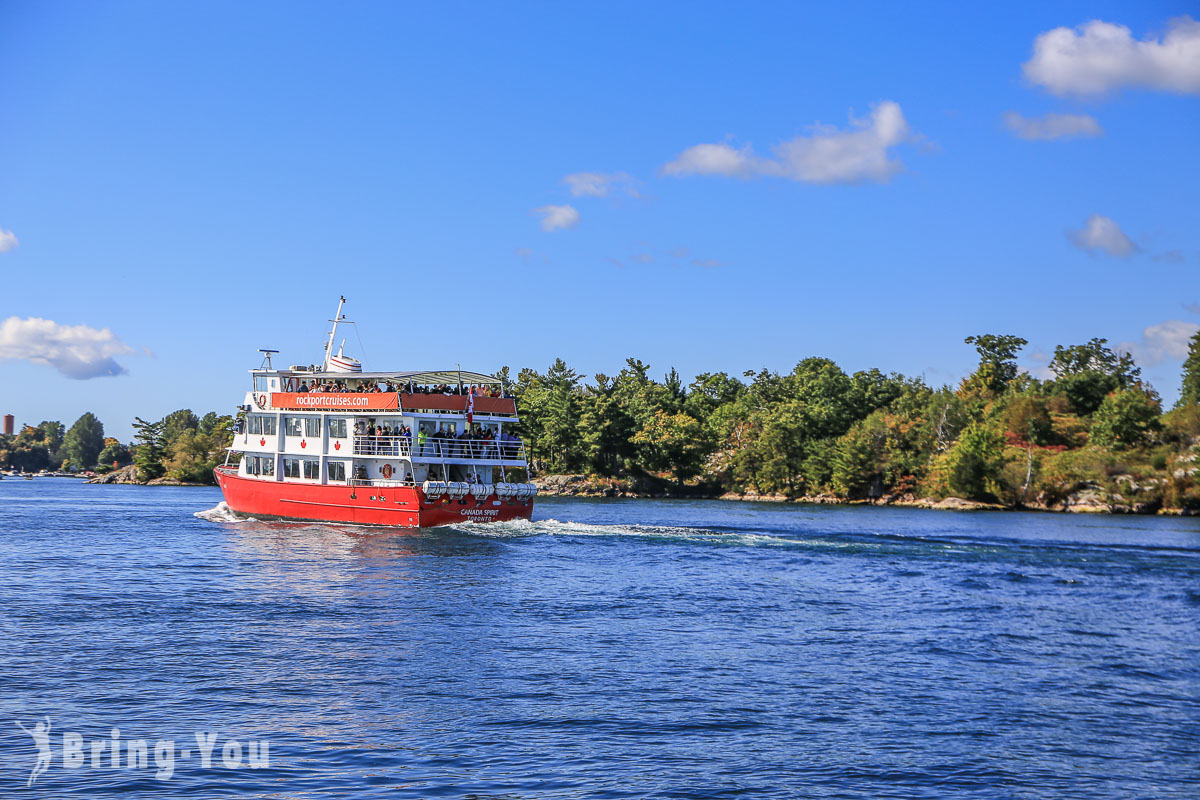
<point>203,180</point>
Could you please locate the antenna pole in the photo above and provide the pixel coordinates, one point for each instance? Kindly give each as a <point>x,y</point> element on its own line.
<point>332,335</point>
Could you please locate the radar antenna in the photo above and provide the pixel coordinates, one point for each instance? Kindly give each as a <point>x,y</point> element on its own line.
<point>266,363</point>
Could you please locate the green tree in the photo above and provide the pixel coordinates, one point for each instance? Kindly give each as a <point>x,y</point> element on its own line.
<point>1126,418</point>
<point>550,406</point>
<point>84,441</point>
<point>974,464</point>
<point>875,390</point>
<point>1189,392</point>
<point>52,433</point>
<point>177,422</point>
<point>29,450</point>
<point>605,429</point>
<point>673,443</point>
<point>860,457</point>
<point>1028,420</point>
<point>1087,373</point>
<point>149,448</point>
<point>208,423</point>
<point>114,453</point>
<point>997,361</point>
<point>710,391</point>
<point>193,455</point>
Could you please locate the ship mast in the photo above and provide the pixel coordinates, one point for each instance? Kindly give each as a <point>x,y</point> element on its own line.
<point>332,334</point>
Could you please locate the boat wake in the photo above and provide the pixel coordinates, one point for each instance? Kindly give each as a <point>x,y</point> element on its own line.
<point>221,513</point>
<point>553,527</point>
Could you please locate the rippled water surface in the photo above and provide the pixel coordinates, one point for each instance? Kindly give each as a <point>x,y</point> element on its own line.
<point>608,649</point>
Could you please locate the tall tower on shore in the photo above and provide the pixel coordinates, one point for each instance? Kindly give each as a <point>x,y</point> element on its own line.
<point>8,424</point>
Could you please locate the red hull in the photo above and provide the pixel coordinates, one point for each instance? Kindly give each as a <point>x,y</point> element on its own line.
<point>391,506</point>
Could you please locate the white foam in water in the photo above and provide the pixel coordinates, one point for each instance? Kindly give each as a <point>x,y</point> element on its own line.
<point>554,527</point>
<point>221,513</point>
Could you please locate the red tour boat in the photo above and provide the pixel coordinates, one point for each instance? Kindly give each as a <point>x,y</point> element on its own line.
<point>401,449</point>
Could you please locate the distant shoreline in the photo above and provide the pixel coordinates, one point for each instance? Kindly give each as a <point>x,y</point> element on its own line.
<point>1087,501</point>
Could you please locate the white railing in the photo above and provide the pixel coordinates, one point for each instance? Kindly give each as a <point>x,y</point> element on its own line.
<point>365,445</point>
<point>378,482</point>
<point>438,449</point>
<point>469,449</point>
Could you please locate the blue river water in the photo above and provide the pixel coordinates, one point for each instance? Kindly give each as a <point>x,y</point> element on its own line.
<point>610,649</point>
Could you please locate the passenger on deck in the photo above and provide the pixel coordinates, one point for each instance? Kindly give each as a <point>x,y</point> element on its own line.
<point>303,388</point>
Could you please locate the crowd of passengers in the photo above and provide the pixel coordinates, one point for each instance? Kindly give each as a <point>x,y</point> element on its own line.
<point>373,387</point>
<point>435,473</point>
<point>475,442</point>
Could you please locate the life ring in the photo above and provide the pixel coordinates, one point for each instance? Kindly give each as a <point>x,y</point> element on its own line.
<point>387,471</point>
<point>262,401</point>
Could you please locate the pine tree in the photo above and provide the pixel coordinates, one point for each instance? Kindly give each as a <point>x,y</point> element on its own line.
<point>1189,394</point>
<point>150,443</point>
<point>83,443</point>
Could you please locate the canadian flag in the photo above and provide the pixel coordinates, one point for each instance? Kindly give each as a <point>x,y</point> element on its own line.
<point>470,409</point>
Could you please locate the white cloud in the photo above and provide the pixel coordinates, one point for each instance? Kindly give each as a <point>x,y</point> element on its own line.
<point>1099,57</point>
<point>714,159</point>
<point>76,351</point>
<point>857,154</point>
<point>1102,234</point>
<point>8,240</point>
<point>1053,126</point>
<point>557,217</point>
<point>599,184</point>
<point>1166,340</point>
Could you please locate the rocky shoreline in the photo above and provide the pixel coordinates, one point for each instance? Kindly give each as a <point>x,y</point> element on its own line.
<point>129,475</point>
<point>1088,499</point>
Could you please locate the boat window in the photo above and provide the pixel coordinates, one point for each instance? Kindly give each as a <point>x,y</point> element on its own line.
<point>337,470</point>
<point>312,470</point>
<point>260,383</point>
<point>337,428</point>
<point>262,425</point>
<point>291,426</point>
<point>252,465</point>
<point>312,426</point>
<point>291,468</point>
<point>255,424</point>
<point>267,464</point>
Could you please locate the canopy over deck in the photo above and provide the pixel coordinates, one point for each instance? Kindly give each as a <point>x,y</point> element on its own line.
<point>450,376</point>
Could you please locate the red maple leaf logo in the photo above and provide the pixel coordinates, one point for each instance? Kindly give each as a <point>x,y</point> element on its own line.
<point>337,445</point>
<point>303,444</point>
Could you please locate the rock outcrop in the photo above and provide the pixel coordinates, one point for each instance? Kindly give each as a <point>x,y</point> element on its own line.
<point>123,475</point>
<point>130,475</point>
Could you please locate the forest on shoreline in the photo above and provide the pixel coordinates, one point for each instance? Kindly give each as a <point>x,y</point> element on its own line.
<point>1002,436</point>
